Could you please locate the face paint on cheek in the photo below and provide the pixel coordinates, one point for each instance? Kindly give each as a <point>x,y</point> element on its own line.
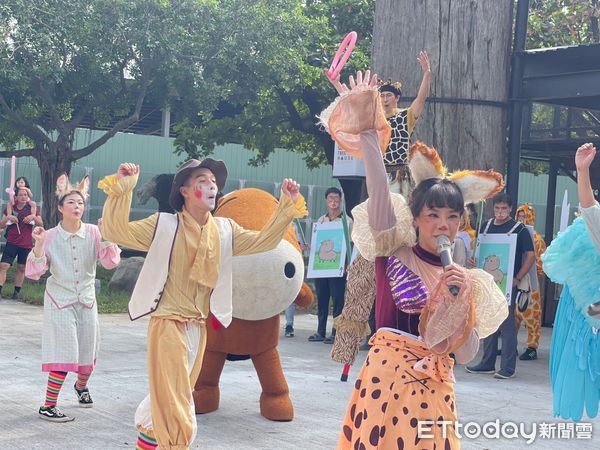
<point>198,195</point>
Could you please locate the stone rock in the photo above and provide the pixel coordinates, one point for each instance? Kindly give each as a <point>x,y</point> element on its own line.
<point>126,274</point>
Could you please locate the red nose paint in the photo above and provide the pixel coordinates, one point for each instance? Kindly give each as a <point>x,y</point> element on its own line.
<point>198,194</point>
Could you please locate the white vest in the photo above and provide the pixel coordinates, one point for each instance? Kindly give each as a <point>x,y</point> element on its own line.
<point>150,284</point>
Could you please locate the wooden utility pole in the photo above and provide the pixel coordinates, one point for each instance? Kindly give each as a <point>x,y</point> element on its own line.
<point>469,44</point>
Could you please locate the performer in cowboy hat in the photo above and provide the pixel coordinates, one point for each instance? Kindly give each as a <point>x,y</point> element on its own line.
<point>186,275</point>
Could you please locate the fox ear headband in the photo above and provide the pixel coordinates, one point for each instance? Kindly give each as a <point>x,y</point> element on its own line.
<point>64,187</point>
<point>476,185</point>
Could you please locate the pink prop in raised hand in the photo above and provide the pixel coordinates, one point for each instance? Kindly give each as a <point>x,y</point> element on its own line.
<point>340,61</point>
<point>11,190</point>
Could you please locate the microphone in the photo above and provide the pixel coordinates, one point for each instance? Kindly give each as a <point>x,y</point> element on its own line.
<point>444,247</point>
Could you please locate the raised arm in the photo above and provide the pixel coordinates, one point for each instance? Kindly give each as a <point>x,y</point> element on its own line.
<point>583,160</point>
<point>291,206</point>
<point>116,227</point>
<point>108,254</point>
<point>590,209</point>
<point>37,261</point>
<point>380,208</point>
<point>419,102</point>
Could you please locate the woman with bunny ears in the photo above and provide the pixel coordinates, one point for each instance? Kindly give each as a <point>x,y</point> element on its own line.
<point>70,332</point>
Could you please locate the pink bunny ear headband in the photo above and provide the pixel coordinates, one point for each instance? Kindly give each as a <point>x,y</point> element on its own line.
<point>64,187</point>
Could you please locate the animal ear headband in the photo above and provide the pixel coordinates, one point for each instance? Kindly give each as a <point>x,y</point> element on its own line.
<point>64,187</point>
<point>475,185</point>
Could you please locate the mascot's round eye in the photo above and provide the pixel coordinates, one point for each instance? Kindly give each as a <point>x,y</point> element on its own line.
<point>289,270</point>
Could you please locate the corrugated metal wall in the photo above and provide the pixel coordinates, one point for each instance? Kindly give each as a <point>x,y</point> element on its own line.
<point>533,189</point>
<point>155,155</point>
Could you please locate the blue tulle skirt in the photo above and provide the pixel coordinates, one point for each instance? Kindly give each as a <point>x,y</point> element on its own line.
<point>572,260</point>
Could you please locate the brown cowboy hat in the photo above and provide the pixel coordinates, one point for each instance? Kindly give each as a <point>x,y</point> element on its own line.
<point>217,167</point>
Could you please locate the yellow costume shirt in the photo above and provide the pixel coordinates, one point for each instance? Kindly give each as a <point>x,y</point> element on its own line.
<point>195,259</point>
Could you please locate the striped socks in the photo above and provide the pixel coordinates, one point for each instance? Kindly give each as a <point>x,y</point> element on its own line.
<point>55,382</point>
<point>145,442</point>
<point>82,379</point>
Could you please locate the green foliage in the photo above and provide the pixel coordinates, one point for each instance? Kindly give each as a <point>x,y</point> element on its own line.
<point>60,56</point>
<point>272,96</point>
<point>534,167</point>
<point>554,23</point>
<point>63,62</point>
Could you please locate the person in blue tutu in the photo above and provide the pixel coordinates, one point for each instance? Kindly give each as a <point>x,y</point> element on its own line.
<point>573,260</point>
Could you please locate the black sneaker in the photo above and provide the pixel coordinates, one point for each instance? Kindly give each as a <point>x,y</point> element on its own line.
<point>83,395</point>
<point>529,354</point>
<point>289,331</point>
<point>316,338</point>
<point>504,375</point>
<point>329,339</point>
<point>53,414</point>
<point>16,296</point>
<point>479,369</point>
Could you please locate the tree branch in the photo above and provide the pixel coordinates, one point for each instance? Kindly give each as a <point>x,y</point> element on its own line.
<point>314,105</point>
<point>295,118</point>
<point>91,104</point>
<point>594,21</point>
<point>122,124</point>
<point>19,153</point>
<point>26,127</point>
<point>40,89</point>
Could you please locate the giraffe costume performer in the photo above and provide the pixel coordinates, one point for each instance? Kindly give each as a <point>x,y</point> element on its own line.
<point>532,316</point>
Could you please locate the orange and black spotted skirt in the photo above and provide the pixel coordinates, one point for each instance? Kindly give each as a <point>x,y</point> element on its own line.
<point>390,397</point>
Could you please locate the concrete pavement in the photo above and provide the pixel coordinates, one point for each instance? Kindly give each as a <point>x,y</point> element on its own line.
<point>320,399</point>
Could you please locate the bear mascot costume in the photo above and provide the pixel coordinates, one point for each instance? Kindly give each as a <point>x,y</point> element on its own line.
<point>264,285</point>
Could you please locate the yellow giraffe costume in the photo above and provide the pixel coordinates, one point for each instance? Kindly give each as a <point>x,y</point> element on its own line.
<point>533,314</point>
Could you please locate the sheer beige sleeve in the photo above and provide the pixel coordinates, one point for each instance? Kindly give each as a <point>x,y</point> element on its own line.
<point>371,242</point>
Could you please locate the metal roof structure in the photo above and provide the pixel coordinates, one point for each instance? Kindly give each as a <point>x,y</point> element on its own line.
<point>568,78</point>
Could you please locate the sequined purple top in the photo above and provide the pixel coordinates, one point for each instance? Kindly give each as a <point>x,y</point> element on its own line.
<point>401,294</point>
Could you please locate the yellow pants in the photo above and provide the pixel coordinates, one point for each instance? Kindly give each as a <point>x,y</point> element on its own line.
<point>175,351</point>
<point>532,317</point>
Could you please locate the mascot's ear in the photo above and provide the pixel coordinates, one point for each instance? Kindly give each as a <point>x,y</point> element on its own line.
<point>84,186</point>
<point>424,163</point>
<point>63,186</point>
<point>477,185</point>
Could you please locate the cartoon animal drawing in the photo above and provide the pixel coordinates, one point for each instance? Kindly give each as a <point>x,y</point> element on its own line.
<point>492,266</point>
<point>326,252</point>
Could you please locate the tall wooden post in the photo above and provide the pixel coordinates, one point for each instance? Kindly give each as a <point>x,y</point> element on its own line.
<point>468,43</point>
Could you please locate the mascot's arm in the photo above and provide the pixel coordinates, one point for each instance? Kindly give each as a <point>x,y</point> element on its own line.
<point>247,242</point>
<point>115,215</point>
<point>305,297</point>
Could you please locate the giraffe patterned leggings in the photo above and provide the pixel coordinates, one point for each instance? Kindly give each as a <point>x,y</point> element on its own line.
<point>532,318</point>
